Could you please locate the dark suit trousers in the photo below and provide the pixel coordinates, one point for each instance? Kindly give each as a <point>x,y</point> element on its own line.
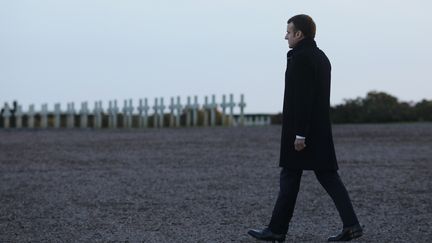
<point>289,187</point>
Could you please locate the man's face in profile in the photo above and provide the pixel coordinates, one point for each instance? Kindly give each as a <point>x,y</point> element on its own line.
<point>293,36</point>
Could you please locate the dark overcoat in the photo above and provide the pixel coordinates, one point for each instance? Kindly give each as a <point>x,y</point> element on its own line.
<point>306,110</point>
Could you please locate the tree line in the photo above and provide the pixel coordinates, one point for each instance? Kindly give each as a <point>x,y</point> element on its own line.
<point>376,107</point>
<point>380,107</point>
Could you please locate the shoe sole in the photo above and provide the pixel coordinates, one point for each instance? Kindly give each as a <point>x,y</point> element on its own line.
<point>356,235</point>
<point>352,236</point>
<point>272,240</point>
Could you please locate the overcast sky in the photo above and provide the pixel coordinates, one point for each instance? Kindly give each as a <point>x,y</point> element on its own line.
<point>86,50</point>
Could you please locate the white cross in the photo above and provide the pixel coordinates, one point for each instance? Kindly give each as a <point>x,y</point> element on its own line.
<point>188,109</point>
<point>71,115</point>
<point>231,106</point>
<point>242,105</point>
<point>213,106</point>
<point>125,114</point>
<point>7,112</point>
<point>84,113</point>
<point>205,107</point>
<point>6,116</point>
<point>19,115</point>
<point>130,113</point>
<point>97,110</point>
<point>71,108</point>
<point>31,113</point>
<point>223,106</point>
<point>156,113</point>
<point>143,111</point>
<point>110,108</point>
<point>57,115</point>
<point>115,109</point>
<point>171,108</point>
<point>125,107</point>
<point>84,108</point>
<point>112,114</point>
<point>143,107</point>
<point>161,109</point>
<point>178,107</point>
<point>131,107</point>
<point>44,116</point>
<point>100,107</point>
<point>101,111</point>
<point>195,107</point>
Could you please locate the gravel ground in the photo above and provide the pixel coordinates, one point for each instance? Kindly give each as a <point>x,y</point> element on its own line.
<point>205,184</point>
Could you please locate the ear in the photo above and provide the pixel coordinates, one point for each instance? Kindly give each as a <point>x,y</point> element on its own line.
<point>299,34</point>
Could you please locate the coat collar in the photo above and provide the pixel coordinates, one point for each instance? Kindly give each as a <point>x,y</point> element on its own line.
<point>305,43</point>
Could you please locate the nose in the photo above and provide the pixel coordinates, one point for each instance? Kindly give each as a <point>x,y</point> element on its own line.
<point>286,37</point>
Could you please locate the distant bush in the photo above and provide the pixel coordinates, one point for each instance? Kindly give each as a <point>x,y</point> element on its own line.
<point>376,107</point>
<point>423,110</point>
<point>379,107</point>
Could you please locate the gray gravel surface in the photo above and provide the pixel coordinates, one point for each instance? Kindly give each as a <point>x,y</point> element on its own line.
<point>205,184</point>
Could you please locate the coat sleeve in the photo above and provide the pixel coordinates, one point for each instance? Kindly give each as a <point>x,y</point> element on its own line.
<point>304,89</point>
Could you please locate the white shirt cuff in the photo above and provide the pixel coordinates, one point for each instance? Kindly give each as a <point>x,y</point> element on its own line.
<point>300,137</point>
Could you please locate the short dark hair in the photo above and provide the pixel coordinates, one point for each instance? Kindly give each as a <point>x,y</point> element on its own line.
<point>305,24</point>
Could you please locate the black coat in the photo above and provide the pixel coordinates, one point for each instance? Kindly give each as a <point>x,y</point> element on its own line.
<point>306,110</point>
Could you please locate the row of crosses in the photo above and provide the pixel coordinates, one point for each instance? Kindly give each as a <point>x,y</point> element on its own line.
<point>176,109</point>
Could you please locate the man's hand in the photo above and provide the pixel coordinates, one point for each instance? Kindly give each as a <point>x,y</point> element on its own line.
<point>299,144</point>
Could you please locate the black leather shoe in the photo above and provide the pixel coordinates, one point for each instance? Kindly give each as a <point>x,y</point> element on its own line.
<point>348,234</point>
<point>266,235</point>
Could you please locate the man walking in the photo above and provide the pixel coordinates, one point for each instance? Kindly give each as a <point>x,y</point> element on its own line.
<point>307,142</point>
